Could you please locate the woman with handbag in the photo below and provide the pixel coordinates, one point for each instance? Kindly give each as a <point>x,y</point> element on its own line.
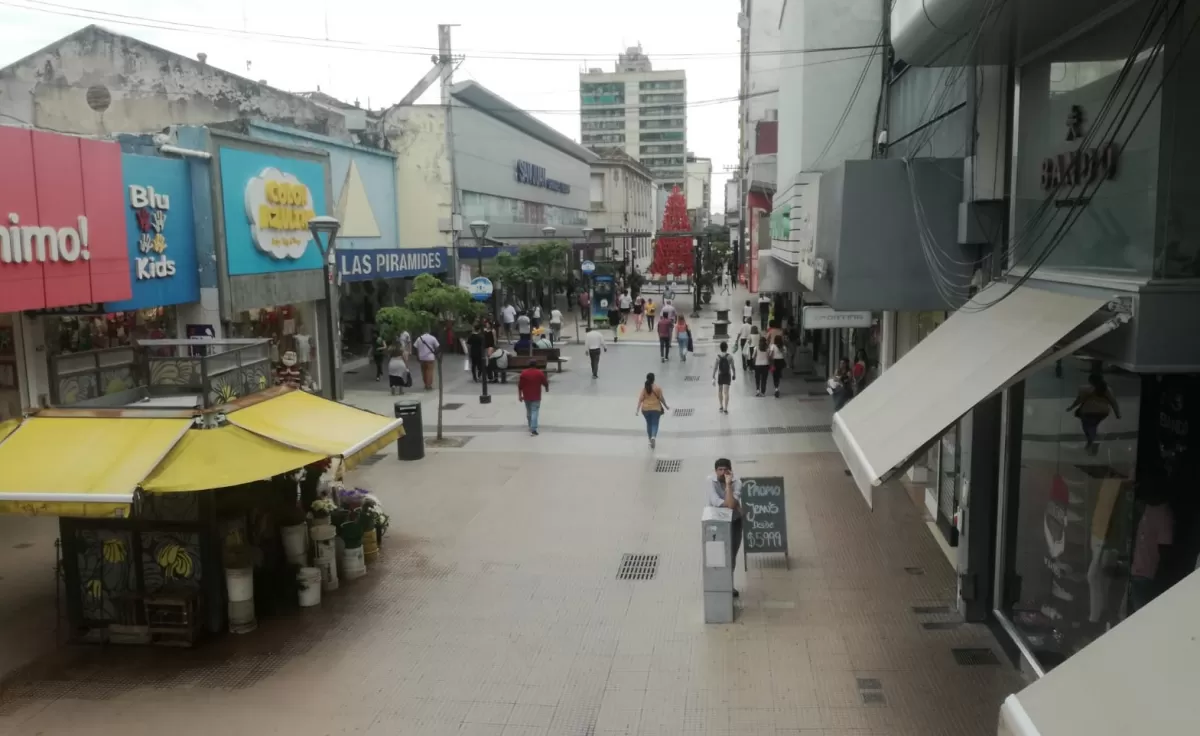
<point>683,336</point>
<point>841,384</point>
<point>762,366</point>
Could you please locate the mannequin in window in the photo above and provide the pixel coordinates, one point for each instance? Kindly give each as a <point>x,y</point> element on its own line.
<point>1155,530</point>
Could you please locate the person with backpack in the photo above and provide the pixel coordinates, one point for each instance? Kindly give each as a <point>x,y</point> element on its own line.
<point>724,374</point>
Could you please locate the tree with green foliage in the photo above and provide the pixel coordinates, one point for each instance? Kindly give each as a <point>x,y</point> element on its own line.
<point>432,304</point>
<point>538,270</point>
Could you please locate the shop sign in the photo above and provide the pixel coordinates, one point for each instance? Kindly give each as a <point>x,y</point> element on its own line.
<point>827,318</point>
<point>268,201</point>
<point>363,265</point>
<point>62,241</point>
<point>535,175</point>
<point>1079,167</point>
<point>160,222</point>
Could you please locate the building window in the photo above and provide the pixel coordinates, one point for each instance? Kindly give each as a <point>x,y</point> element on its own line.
<point>603,125</point>
<point>673,136</point>
<point>603,113</point>
<point>593,138</point>
<point>651,112</point>
<point>662,148</point>
<point>10,385</point>
<point>662,84</point>
<point>653,98</point>
<point>506,211</point>
<point>666,123</point>
<point>598,188</point>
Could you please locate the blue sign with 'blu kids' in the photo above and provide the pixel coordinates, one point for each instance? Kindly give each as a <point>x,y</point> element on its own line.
<point>160,225</point>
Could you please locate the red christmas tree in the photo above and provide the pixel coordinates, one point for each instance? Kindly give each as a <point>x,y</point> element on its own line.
<point>673,254</point>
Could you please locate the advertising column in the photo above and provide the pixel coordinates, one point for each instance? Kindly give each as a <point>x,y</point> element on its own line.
<point>62,245</point>
<point>272,286</point>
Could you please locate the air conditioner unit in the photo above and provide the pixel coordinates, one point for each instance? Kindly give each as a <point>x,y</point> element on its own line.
<point>743,21</point>
<point>771,115</point>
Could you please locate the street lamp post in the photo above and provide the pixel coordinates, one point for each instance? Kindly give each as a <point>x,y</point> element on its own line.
<point>329,226</point>
<point>590,282</point>
<point>479,229</point>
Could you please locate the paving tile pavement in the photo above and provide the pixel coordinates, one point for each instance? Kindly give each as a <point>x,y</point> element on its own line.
<point>495,608</point>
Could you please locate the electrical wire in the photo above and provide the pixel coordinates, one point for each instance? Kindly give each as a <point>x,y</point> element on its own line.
<point>849,106</point>
<point>41,6</point>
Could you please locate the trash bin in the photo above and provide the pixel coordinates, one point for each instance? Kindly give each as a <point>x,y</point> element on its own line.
<point>412,445</point>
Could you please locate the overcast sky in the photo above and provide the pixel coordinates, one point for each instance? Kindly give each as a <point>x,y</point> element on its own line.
<point>528,51</point>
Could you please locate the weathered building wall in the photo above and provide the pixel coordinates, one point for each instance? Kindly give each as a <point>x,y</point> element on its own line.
<point>95,82</point>
<point>417,135</point>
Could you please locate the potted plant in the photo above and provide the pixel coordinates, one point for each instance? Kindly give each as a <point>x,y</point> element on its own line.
<point>371,516</point>
<point>321,509</point>
<point>352,562</point>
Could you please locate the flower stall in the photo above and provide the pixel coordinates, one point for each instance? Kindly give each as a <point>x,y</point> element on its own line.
<point>178,522</point>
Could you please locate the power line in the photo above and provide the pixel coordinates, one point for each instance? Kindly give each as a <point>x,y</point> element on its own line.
<point>41,6</point>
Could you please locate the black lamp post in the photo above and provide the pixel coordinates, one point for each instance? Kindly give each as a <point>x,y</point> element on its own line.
<point>479,229</point>
<point>329,226</point>
<point>589,278</point>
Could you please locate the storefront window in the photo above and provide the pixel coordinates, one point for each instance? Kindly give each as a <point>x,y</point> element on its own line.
<point>1063,97</point>
<point>10,389</point>
<point>1070,535</point>
<point>289,328</point>
<point>506,211</point>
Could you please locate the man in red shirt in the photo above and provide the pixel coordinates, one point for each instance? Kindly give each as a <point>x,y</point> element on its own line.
<point>529,389</point>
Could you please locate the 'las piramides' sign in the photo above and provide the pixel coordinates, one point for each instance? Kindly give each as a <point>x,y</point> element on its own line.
<point>361,265</point>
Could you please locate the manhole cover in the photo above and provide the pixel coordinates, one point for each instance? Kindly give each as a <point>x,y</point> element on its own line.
<point>869,683</point>
<point>683,412</point>
<point>668,466</point>
<point>914,570</point>
<point>451,407</point>
<point>637,567</point>
<point>926,610</point>
<point>693,379</point>
<point>873,697</point>
<point>974,657</point>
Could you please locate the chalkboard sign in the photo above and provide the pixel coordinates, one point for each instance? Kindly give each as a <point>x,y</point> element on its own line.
<point>764,514</point>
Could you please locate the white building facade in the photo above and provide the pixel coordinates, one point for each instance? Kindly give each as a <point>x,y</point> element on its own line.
<point>698,191</point>
<point>623,203</point>
<point>640,110</point>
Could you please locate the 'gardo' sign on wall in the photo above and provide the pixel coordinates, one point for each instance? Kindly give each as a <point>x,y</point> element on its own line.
<point>764,514</point>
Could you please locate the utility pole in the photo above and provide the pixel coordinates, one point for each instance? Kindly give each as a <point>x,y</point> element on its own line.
<point>445,61</point>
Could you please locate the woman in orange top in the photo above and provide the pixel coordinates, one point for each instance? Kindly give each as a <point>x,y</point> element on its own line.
<point>651,404</point>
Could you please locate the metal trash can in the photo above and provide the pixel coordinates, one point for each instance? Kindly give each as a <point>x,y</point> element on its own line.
<point>412,445</point>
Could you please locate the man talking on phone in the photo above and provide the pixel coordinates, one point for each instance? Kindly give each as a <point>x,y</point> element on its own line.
<point>725,492</point>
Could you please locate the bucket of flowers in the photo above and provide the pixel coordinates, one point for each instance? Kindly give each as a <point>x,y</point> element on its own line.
<point>375,523</point>
<point>321,510</point>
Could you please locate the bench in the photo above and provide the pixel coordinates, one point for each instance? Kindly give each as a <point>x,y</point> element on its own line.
<point>540,356</point>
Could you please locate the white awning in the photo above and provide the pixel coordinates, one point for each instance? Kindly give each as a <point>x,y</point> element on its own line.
<point>775,275</point>
<point>974,354</point>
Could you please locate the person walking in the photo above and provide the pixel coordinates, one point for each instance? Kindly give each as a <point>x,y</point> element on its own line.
<point>747,312</point>
<point>762,366</point>
<point>530,385</point>
<point>380,354</point>
<point>725,492</point>
<point>650,309</point>
<point>859,372</point>
<point>537,316</point>
<point>398,376</point>
<point>743,337</point>
<point>764,311</point>
<point>776,355</point>
<point>594,341</point>
<point>614,320</point>
<point>427,352</point>
<point>585,304</point>
<point>651,404</point>
<point>841,384</point>
<point>664,336</point>
<point>724,374</point>
<point>668,309</point>
<point>639,306</point>
<point>626,303</point>
<point>490,341</point>
<point>524,327</point>
<point>475,354</point>
<point>508,316</point>
<point>556,319</point>
<point>683,337</point>
<point>1092,406</point>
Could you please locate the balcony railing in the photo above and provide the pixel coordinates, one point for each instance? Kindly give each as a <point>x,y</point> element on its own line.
<point>214,371</point>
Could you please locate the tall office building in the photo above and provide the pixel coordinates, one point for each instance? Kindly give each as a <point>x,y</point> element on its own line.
<point>639,110</point>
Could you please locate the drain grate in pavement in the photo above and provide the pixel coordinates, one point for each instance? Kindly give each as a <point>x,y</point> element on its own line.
<point>872,697</point>
<point>868,683</point>
<point>23,545</point>
<point>668,466</point>
<point>974,656</point>
<point>451,407</point>
<point>693,379</point>
<point>926,610</point>
<point>914,570</point>
<point>683,412</point>
<point>940,625</point>
<point>637,567</point>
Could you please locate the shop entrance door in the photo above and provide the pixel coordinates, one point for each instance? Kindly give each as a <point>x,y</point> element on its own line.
<point>948,485</point>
